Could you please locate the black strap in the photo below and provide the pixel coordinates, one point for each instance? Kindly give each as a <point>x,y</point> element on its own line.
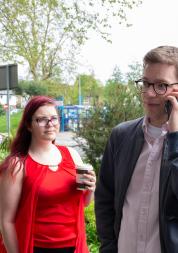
<point>54,250</point>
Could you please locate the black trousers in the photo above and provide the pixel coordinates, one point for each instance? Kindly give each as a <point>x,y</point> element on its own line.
<point>54,250</point>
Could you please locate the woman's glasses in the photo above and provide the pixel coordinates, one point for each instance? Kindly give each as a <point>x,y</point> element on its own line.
<point>44,121</point>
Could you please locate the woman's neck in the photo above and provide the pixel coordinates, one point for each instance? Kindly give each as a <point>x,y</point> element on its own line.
<point>40,147</point>
<point>45,154</point>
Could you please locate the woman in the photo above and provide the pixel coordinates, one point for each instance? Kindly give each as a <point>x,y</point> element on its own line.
<point>41,210</point>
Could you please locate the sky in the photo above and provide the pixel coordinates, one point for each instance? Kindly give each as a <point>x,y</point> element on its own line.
<point>154,23</point>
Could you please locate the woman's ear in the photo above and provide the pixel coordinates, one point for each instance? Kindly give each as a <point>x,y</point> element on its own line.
<point>28,126</point>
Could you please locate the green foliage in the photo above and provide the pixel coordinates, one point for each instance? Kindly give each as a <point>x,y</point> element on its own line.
<point>52,88</point>
<point>91,89</point>
<point>122,104</point>
<point>14,122</point>
<point>2,111</point>
<point>5,145</point>
<point>46,34</point>
<point>31,88</point>
<point>3,154</point>
<point>117,76</point>
<point>57,89</point>
<point>6,140</point>
<point>135,72</point>
<point>92,239</point>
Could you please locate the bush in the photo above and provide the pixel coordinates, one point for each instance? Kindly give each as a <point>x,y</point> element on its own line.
<point>5,145</point>
<point>2,112</point>
<point>31,88</point>
<point>96,129</point>
<point>3,155</point>
<point>6,142</point>
<point>92,238</point>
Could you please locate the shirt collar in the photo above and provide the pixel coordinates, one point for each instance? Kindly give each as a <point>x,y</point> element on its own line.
<point>164,127</point>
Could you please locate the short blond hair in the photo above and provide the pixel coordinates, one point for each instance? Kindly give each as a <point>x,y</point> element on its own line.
<point>163,54</point>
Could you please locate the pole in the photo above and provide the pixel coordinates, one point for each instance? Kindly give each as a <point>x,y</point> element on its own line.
<point>8,103</point>
<point>79,91</point>
<point>79,102</point>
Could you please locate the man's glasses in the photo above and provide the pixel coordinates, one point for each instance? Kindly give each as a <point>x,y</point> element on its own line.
<point>43,121</point>
<point>159,88</point>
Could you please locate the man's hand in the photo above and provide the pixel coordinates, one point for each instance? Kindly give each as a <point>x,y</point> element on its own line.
<point>173,119</point>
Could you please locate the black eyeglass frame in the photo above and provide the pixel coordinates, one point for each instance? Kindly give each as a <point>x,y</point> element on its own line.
<point>47,121</point>
<point>153,84</point>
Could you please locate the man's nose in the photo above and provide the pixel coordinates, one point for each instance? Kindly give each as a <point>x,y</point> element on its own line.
<point>151,92</point>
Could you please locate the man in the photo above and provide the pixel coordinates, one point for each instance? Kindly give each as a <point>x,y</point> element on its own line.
<point>136,199</point>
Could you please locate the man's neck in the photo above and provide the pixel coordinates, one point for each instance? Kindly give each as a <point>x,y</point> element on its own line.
<point>157,122</point>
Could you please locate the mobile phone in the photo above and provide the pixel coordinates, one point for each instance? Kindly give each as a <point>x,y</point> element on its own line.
<point>168,107</point>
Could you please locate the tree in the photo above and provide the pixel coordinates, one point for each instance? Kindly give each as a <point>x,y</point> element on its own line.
<point>45,34</point>
<point>97,128</point>
<point>49,87</point>
<point>91,89</point>
<point>117,75</point>
<point>2,111</point>
<point>135,72</point>
<point>58,90</point>
<point>113,86</point>
<point>30,88</point>
<point>111,91</point>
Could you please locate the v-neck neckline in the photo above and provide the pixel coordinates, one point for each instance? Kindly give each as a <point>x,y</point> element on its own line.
<point>47,165</point>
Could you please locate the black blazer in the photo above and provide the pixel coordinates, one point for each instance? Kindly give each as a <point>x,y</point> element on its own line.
<point>121,153</point>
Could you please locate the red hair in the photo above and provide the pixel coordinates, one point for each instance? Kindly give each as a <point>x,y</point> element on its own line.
<point>20,145</point>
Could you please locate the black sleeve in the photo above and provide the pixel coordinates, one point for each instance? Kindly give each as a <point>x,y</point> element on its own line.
<point>173,160</point>
<point>104,203</point>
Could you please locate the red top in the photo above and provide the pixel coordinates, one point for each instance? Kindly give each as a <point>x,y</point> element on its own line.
<point>26,212</point>
<point>57,206</point>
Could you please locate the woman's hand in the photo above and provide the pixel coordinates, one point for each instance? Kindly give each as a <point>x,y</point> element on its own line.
<point>90,180</point>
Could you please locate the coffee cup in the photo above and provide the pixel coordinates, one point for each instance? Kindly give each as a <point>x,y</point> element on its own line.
<point>80,170</point>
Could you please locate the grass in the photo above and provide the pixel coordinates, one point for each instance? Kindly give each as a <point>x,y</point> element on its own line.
<point>14,122</point>
<point>92,239</point>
